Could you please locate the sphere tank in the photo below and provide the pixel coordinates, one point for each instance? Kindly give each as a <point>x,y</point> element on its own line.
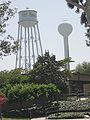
<point>28,18</point>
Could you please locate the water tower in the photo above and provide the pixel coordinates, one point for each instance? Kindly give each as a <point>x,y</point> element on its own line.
<point>65,30</point>
<point>29,40</point>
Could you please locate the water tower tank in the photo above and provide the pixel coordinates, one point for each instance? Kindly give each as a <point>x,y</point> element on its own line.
<point>28,18</point>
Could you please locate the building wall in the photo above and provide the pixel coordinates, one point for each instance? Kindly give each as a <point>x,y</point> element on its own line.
<point>86,88</point>
<point>80,83</point>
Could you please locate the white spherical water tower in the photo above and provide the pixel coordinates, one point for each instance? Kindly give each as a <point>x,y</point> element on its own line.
<point>30,46</point>
<point>65,30</point>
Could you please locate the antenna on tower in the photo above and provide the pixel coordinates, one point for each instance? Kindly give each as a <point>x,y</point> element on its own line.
<point>64,20</point>
<point>27,8</point>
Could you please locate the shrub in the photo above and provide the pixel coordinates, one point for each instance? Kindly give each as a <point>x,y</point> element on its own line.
<point>74,105</point>
<point>30,92</point>
<point>67,115</point>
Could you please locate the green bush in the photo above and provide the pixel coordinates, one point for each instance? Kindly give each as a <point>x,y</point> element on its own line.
<point>67,115</point>
<point>73,105</point>
<point>30,92</point>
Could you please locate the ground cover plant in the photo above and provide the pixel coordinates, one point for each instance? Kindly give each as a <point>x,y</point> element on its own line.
<point>81,105</point>
<point>68,115</point>
<point>69,109</point>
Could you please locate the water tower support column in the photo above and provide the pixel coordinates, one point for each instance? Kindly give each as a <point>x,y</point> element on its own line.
<point>36,40</point>
<point>66,51</point>
<point>29,49</point>
<point>33,55</point>
<point>18,42</point>
<point>25,50</point>
<point>39,40</point>
<point>20,56</point>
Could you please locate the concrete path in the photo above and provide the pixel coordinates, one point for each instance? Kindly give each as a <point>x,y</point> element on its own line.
<point>58,119</point>
<point>43,118</point>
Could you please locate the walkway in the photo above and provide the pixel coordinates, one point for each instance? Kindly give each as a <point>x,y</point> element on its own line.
<point>60,119</point>
<point>39,118</point>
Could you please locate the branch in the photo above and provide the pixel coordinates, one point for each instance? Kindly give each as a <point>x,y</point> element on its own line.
<point>76,4</point>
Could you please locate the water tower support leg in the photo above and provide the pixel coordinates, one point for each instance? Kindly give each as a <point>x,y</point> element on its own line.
<point>25,50</point>
<point>18,42</point>
<point>36,40</point>
<point>33,54</point>
<point>39,40</point>
<point>20,46</point>
<point>29,49</point>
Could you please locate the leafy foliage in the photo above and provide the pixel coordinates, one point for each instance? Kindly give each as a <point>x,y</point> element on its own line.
<point>48,70</point>
<point>13,77</point>
<point>5,14</point>
<point>7,46</point>
<point>85,16</point>
<point>31,92</point>
<point>47,75</point>
<point>70,106</point>
<point>83,68</point>
<point>68,115</point>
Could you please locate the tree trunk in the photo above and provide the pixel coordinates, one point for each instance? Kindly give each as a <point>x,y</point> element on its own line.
<point>88,11</point>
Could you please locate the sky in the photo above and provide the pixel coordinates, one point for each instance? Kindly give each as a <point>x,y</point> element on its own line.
<point>50,14</point>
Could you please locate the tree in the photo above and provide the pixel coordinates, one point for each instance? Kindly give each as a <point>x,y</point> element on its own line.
<point>12,77</point>
<point>83,68</point>
<point>84,5</point>
<point>48,70</point>
<point>6,45</point>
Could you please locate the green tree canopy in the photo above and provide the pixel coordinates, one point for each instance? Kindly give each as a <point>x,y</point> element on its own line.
<point>7,44</point>
<point>83,68</point>
<point>84,6</point>
<point>48,70</point>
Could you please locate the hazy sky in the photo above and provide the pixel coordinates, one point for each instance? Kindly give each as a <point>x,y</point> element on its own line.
<point>50,14</point>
